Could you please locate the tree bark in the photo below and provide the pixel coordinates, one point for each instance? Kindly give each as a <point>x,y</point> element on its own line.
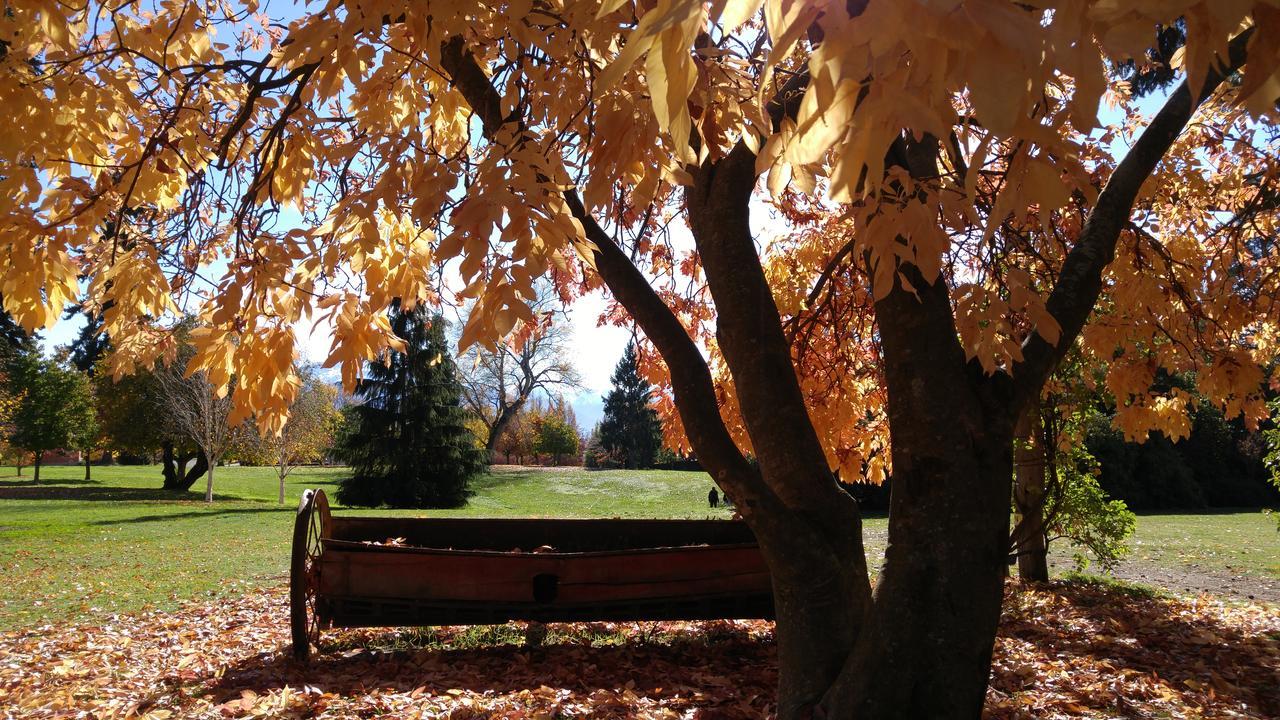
<point>495,430</point>
<point>35,465</point>
<point>88,461</point>
<point>177,477</point>
<point>925,650</point>
<point>208,486</point>
<point>1028,500</point>
<point>814,546</point>
<point>167,466</point>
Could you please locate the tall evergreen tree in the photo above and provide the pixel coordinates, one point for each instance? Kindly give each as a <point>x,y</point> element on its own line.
<point>630,430</point>
<point>410,446</point>
<point>91,344</point>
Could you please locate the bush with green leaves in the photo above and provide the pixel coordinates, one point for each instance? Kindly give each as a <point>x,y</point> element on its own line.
<point>1079,511</point>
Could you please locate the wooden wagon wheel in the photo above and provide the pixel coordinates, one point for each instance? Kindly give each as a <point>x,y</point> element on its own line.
<point>310,525</point>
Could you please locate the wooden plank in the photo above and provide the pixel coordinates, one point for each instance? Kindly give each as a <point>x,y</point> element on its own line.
<point>502,535</point>
<point>518,578</point>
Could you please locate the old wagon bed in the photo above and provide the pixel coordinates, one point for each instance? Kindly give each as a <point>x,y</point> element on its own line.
<point>362,571</point>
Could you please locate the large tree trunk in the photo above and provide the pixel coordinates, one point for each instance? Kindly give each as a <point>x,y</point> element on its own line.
<point>1029,498</point>
<point>925,650</point>
<point>495,430</point>
<point>168,466</point>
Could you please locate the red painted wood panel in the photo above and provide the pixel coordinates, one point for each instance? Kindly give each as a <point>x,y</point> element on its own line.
<point>509,577</point>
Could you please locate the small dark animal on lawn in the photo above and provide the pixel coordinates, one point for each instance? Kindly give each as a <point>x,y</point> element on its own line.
<point>713,498</point>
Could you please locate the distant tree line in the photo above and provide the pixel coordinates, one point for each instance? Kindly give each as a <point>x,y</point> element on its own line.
<point>71,402</point>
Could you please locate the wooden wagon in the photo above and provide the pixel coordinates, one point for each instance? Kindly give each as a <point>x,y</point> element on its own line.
<point>381,572</point>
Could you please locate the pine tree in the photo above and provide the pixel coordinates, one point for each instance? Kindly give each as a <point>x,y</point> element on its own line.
<point>410,446</point>
<point>630,430</point>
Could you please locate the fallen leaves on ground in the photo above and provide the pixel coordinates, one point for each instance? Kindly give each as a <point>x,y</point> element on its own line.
<point>1064,651</point>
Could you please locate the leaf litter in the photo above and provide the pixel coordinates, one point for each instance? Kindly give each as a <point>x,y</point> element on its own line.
<point>1063,651</point>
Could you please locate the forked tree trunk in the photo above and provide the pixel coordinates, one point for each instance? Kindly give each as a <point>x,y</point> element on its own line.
<point>925,648</point>
<point>1029,493</point>
<point>283,475</point>
<point>921,646</point>
<point>177,477</point>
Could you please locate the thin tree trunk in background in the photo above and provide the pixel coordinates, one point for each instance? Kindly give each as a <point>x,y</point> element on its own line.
<point>88,460</point>
<point>36,465</point>
<point>283,474</point>
<point>1029,498</point>
<point>167,466</point>
<point>208,487</point>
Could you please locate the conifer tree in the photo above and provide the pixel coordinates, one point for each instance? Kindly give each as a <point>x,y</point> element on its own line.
<point>630,430</point>
<point>410,446</point>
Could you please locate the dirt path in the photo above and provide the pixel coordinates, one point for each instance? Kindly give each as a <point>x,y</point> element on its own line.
<point>1186,580</point>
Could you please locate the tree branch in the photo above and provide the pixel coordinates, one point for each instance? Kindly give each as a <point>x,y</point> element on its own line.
<point>1080,282</point>
<point>690,377</point>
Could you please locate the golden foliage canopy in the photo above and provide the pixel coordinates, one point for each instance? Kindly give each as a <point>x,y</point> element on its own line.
<point>200,155</point>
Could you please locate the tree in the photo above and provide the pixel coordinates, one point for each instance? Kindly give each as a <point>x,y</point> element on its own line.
<point>16,346</point>
<point>497,381</point>
<point>411,446</point>
<point>55,409</point>
<point>556,438</point>
<point>951,210</point>
<point>630,430</point>
<point>518,436</point>
<point>306,437</point>
<point>200,413</point>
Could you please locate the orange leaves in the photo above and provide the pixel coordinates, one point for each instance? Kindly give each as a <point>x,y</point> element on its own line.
<point>1064,651</point>
<point>360,333</point>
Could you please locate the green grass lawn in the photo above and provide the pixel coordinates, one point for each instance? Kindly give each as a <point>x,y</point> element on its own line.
<point>1242,542</point>
<point>71,549</point>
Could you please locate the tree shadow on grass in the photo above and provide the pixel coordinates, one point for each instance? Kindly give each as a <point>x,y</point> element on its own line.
<point>26,481</point>
<point>94,492</point>
<point>727,663</point>
<point>211,512</point>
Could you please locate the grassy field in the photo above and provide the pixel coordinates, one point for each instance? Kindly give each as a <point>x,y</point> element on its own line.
<point>1236,542</point>
<point>71,549</point>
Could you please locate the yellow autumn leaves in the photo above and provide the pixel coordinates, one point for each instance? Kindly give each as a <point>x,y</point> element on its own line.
<point>194,157</point>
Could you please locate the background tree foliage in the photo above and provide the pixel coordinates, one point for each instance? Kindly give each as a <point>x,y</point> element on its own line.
<point>307,437</point>
<point>54,407</point>
<point>497,381</point>
<point>630,431</point>
<point>408,444</point>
